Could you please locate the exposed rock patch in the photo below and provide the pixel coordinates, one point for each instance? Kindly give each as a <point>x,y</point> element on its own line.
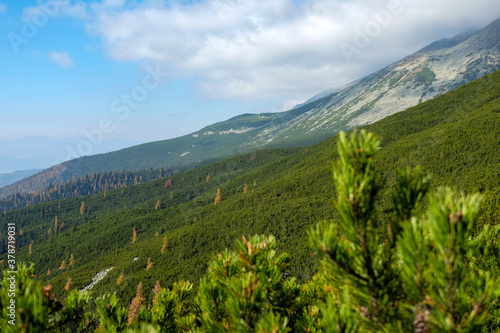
<point>98,277</point>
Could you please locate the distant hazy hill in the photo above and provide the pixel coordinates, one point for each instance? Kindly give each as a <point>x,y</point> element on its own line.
<point>40,152</point>
<point>9,178</point>
<point>434,70</point>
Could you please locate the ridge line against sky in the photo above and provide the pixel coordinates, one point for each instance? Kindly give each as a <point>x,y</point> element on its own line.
<point>68,65</point>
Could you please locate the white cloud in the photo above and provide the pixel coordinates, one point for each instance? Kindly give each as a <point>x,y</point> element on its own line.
<point>259,49</point>
<point>76,10</point>
<point>49,9</point>
<point>3,8</point>
<point>61,58</point>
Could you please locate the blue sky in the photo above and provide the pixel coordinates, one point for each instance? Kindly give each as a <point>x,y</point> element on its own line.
<point>43,95</point>
<point>213,59</point>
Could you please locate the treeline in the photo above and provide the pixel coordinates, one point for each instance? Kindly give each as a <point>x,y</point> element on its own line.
<point>84,186</point>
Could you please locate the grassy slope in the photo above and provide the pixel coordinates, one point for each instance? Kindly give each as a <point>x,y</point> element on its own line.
<point>454,137</point>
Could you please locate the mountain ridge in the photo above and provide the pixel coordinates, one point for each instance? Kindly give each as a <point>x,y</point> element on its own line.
<point>12,177</point>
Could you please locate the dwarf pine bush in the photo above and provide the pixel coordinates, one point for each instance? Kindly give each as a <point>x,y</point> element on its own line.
<point>418,277</point>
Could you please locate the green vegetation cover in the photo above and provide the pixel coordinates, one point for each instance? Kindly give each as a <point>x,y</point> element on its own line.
<point>427,274</point>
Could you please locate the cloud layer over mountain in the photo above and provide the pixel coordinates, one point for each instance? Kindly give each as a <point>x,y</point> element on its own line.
<point>256,49</point>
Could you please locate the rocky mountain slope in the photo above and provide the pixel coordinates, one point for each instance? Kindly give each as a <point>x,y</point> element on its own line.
<point>436,69</point>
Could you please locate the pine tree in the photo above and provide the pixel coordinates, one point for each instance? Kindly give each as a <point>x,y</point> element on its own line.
<point>49,233</point>
<point>134,235</point>
<point>72,260</point>
<point>68,285</point>
<point>82,208</point>
<point>56,227</point>
<point>415,277</point>
<point>245,188</point>
<point>158,205</point>
<point>165,245</point>
<point>359,258</point>
<point>149,265</point>
<point>63,264</point>
<point>120,279</point>
<point>173,310</point>
<point>30,249</point>
<point>207,179</point>
<point>48,271</point>
<point>135,305</point>
<point>156,292</point>
<point>218,197</point>
<point>245,290</point>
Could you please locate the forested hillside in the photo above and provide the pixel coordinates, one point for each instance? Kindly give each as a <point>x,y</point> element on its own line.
<point>151,231</point>
<point>83,186</point>
<point>428,273</point>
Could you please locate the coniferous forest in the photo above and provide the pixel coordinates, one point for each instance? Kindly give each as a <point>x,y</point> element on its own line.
<point>83,186</point>
<point>393,227</point>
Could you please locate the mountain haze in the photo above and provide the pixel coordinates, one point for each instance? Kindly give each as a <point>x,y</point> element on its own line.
<point>436,69</point>
<point>12,177</point>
